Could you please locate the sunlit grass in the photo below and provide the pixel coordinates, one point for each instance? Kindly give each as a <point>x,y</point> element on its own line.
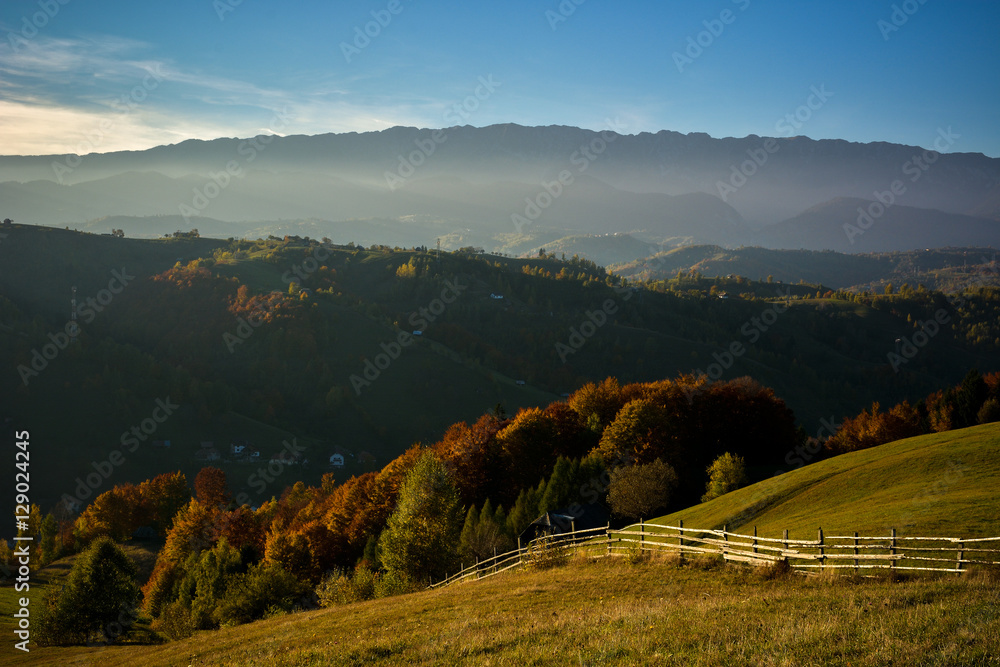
<point>613,612</point>
<point>934,485</point>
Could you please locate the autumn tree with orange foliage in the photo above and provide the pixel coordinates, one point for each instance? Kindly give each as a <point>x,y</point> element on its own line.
<point>526,447</point>
<point>472,456</point>
<point>164,496</point>
<point>118,512</point>
<point>210,487</point>
<point>598,404</point>
<point>115,513</point>
<point>872,428</point>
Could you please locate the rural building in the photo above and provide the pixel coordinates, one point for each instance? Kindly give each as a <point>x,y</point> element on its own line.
<point>566,520</point>
<point>286,458</point>
<point>337,460</point>
<point>207,454</point>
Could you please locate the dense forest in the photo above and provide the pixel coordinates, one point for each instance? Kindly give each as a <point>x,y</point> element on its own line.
<point>305,344</point>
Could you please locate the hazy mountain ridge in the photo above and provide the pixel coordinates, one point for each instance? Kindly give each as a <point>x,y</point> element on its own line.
<point>478,182</point>
<point>858,225</point>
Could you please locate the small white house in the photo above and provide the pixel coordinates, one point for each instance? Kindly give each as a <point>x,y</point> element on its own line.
<point>337,460</point>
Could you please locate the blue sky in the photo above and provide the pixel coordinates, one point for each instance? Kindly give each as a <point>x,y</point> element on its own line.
<point>116,75</point>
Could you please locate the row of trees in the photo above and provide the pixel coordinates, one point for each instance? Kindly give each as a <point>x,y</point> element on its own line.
<point>975,401</point>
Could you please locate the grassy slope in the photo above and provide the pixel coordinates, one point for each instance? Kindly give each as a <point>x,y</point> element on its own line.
<point>939,484</point>
<point>610,612</point>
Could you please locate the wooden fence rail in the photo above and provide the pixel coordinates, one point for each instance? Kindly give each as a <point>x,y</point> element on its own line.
<point>826,552</point>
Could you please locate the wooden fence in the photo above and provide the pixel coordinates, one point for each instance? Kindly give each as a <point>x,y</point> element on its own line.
<point>826,552</point>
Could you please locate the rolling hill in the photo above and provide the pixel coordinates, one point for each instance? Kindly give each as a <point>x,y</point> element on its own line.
<point>861,225</point>
<point>945,269</point>
<point>939,484</point>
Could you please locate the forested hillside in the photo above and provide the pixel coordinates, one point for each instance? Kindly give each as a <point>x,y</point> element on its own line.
<point>309,348</point>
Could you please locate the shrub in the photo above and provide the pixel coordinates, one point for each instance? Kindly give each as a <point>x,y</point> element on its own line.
<point>175,621</point>
<point>780,569</point>
<point>727,473</point>
<point>365,584</point>
<point>547,552</point>
<point>640,490</point>
<point>990,412</point>
<point>393,583</point>
<point>336,588</point>
<point>635,554</point>
<point>264,590</point>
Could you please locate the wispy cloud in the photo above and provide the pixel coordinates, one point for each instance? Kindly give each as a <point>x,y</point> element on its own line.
<point>60,95</point>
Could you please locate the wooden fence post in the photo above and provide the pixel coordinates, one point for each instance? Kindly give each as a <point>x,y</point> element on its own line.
<point>822,560</point>
<point>520,557</point>
<point>892,549</point>
<point>494,559</point>
<point>477,568</point>
<point>755,539</point>
<point>961,556</point>
<point>725,538</point>
<point>784,545</point>
<point>680,540</point>
<point>607,531</point>
<point>642,534</point>
<point>855,552</point>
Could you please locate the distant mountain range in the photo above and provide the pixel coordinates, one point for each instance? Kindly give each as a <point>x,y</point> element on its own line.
<point>514,188</point>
